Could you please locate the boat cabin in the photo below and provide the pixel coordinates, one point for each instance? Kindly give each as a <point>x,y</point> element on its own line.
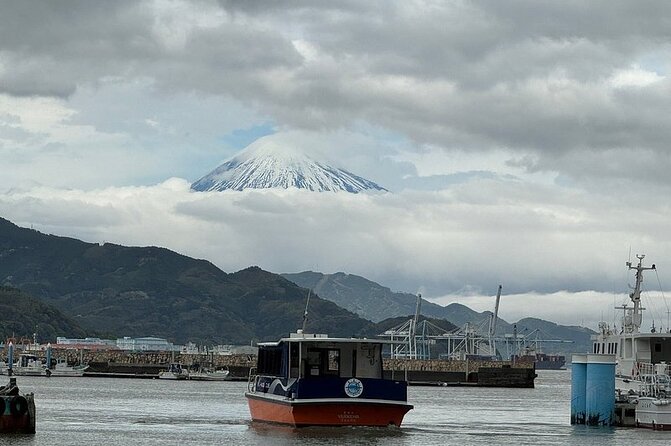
<point>29,360</point>
<point>311,379</point>
<point>303,356</point>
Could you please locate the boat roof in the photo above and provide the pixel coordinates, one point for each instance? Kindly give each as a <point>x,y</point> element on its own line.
<point>595,337</point>
<point>323,338</point>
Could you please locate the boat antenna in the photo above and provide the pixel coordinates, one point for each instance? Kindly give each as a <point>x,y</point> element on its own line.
<point>305,314</point>
<point>664,299</point>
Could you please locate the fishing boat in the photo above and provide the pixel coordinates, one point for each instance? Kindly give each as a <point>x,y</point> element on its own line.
<point>315,380</point>
<point>17,412</point>
<point>61,368</point>
<point>221,374</point>
<point>653,405</point>
<point>29,365</point>
<point>175,371</point>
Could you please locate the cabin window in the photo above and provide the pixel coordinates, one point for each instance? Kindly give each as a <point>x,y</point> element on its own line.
<point>323,362</point>
<point>294,356</point>
<point>270,360</point>
<point>334,361</point>
<point>658,347</point>
<point>314,362</point>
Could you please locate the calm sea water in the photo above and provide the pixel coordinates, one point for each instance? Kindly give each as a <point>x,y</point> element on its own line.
<point>89,411</point>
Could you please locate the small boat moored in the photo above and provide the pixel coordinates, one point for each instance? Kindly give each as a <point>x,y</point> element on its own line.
<point>175,371</point>
<point>17,412</point>
<point>221,374</point>
<point>314,380</point>
<point>29,365</point>
<point>61,368</point>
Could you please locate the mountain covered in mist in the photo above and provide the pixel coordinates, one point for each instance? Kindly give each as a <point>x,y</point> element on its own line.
<point>376,302</point>
<point>113,290</point>
<point>264,166</point>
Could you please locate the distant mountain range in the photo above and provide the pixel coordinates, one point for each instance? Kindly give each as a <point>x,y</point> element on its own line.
<point>114,290</point>
<point>373,301</point>
<point>265,165</point>
<point>71,288</point>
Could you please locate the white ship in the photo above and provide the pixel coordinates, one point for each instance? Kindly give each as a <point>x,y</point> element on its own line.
<point>632,347</point>
<point>642,375</point>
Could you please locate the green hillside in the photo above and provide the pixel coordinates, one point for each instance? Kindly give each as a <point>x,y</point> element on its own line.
<point>22,315</point>
<point>128,291</point>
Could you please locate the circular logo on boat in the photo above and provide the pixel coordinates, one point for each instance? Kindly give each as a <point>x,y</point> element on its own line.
<point>353,387</point>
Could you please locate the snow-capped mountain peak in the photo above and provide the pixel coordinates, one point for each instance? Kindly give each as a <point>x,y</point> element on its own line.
<point>271,165</point>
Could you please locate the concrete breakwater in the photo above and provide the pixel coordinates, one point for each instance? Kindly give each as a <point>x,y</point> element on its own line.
<point>453,365</point>
<point>146,363</point>
<point>151,363</point>
<point>473,371</point>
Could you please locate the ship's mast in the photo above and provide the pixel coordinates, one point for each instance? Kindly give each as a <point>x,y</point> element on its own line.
<point>633,319</point>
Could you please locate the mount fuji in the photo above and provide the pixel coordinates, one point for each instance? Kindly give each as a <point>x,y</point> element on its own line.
<point>264,165</point>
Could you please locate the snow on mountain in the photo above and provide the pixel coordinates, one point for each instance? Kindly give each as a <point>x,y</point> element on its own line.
<point>270,165</point>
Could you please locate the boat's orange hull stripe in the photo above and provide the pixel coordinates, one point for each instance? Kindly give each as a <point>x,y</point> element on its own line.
<point>327,414</point>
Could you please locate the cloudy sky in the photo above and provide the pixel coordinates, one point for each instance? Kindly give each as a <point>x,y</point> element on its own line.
<point>524,142</point>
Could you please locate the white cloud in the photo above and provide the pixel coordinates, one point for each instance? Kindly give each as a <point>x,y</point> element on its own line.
<point>634,76</point>
<point>526,237</point>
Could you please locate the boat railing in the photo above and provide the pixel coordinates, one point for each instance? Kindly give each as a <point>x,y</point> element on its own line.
<point>657,385</point>
<point>252,380</point>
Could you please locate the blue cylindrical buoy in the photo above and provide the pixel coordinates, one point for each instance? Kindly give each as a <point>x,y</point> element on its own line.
<point>10,358</point>
<point>49,356</point>
<point>578,383</point>
<point>600,390</point>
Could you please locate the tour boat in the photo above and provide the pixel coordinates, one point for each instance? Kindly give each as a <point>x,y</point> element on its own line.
<point>314,380</point>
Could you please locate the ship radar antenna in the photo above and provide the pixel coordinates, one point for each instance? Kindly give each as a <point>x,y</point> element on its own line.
<point>633,317</point>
